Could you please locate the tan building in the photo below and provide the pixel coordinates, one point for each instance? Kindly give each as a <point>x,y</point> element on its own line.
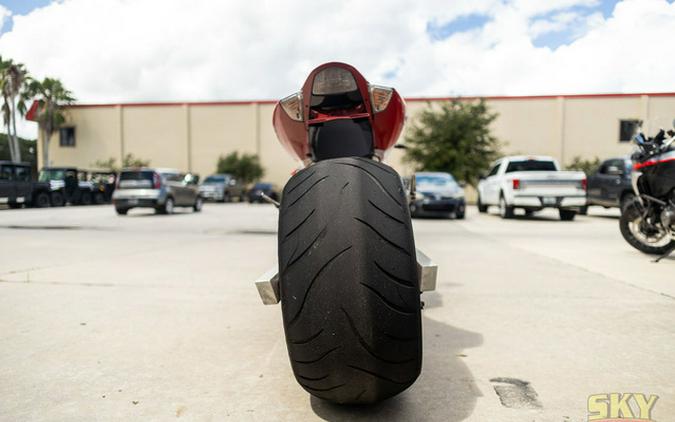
<point>191,136</point>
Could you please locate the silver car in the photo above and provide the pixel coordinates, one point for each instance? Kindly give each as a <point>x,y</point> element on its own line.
<point>161,189</point>
<point>222,187</point>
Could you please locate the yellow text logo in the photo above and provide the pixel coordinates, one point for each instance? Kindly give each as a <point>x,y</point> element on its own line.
<point>621,407</point>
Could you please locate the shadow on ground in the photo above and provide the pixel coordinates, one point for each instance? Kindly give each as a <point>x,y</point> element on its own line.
<point>533,217</point>
<point>607,217</point>
<point>152,213</point>
<point>445,391</point>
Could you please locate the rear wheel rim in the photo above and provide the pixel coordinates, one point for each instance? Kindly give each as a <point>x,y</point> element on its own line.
<point>198,204</point>
<point>660,239</point>
<point>169,206</point>
<point>502,207</point>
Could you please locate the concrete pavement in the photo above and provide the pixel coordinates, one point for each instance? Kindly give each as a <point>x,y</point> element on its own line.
<point>155,317</point>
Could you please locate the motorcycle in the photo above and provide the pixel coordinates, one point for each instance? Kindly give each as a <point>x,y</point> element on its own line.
<point>349,276</point>
<point>648,223</point>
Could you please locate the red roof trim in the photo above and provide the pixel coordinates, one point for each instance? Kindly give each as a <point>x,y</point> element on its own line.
<point>409,99</point>
<point>176,104</point>
<point>31,114</point>
<point>544,97</point>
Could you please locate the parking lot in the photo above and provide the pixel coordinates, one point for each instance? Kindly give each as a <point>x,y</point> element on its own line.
<point>156,317</point>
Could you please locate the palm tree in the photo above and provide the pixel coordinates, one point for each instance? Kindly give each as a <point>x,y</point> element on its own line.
<point>51,96</point>
<point>14,79</point>
<point>6,108</point>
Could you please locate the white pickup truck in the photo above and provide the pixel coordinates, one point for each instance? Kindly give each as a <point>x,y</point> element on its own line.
<point>532,183</point>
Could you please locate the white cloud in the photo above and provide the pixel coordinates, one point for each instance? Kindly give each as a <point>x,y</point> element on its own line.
<point>152,50</point>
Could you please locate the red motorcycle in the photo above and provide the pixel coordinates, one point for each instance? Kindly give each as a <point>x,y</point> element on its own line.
<point>349,277</point>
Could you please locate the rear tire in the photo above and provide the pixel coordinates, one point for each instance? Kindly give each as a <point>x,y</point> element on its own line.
<point>567,215</point>
<point>57,199</point>
<point>41,200</point>
<point>506,211</point>
<point>481,208</point>
<point>630,214</point>
<point>350,294</point>
<point>167,207</point>
<point>121,211</point>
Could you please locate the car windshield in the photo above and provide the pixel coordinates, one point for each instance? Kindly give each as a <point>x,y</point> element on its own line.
<point>136,175</point>
<point>215,179</point>
<point>47,175</point>
<point>531,165</point>
<point>436,179</point>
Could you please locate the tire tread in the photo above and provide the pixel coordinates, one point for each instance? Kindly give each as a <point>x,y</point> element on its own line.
<point>348,279</point>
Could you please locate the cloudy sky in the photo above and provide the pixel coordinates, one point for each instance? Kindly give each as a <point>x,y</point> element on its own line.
<point>173,50</point>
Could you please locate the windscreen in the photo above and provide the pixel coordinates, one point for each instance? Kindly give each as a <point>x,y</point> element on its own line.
<point>136,179</point>
<point>437,180</point>
<point>47,175</point>
<point>215,179</point>
<point>531,165</point>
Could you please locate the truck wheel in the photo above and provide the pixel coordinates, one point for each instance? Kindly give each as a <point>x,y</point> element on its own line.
<point>506,211</point>
<point>57,199</point>
<point>41,200</point>
<point>567,215</point>
<point>85,198</point>
<point>122,211</point>
<point>481,208</point>
<point>349,288</point>
<point>642,238</point>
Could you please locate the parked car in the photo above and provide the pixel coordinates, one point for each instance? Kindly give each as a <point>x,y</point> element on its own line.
<point>17,187</point>
<point>161,189</point>
<point>69,185</point>
<point>222,188</point>
<point>437,194</point>
<point>532,183</point>
<point>610,185</point>
<point>103,183</point>
<point>269,189</point>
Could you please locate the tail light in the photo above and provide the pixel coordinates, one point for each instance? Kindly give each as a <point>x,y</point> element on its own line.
<point>584,184</point>
<point>516,184</point>
<point>292,105</point>
<point>156,181</point>
<point>333,80</point>
<point>380,97</point>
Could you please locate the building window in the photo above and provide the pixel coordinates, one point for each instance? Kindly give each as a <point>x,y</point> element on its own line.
<point>67,136</point>
<point>628,129</point>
